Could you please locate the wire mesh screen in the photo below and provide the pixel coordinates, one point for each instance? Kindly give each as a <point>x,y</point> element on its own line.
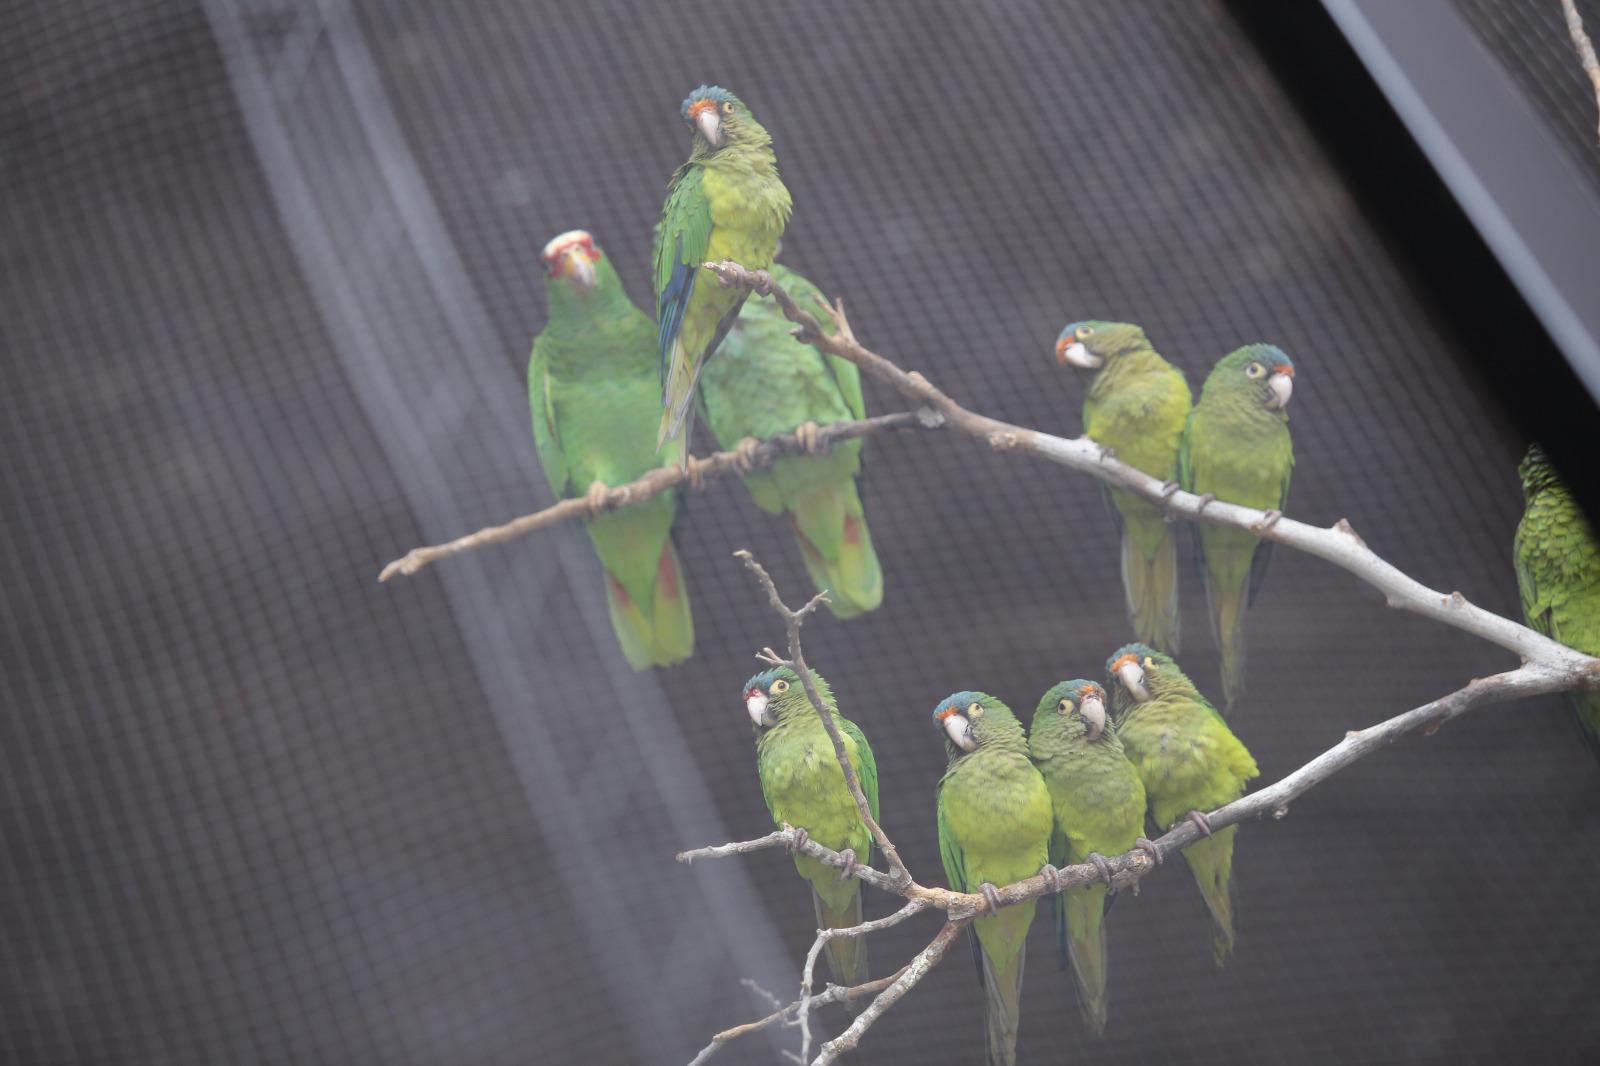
<point>270,273</point>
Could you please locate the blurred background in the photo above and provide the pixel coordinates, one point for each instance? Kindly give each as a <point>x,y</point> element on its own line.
<point>268,276</point>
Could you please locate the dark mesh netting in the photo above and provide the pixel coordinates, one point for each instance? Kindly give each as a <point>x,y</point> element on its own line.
<point>270,273</point>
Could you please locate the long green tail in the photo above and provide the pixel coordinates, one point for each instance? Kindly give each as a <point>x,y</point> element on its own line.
<point>1211,862</point>
<point>1586,705</point>
<point>1227,615</point>
<point>847,955</point>
<point>663,634</point>
<point>1150,582</point>
<point>1084,912</point>
<point>831,529</point>
<point>1003,1009</point>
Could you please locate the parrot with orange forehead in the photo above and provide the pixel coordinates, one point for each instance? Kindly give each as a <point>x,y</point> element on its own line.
<point>725,202</point>
<point>1236,448</point>
<point>592,390</point>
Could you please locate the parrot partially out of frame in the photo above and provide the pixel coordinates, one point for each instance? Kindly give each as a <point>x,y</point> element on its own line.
<point>994,828</point>
<point>725,202</point>
<point>1136,406</point>
<point>1099,804</point>
<point>592,391</point>
<point>1236,448</point>
<point>804,787</point>
<point>764,382</point>
<point>1190,763</point>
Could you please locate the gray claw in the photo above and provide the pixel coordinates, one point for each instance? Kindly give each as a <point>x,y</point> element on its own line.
<point>1201,822</point>
<point>1267,521</point>
<point>1100,864</point>
<point>763,282</point>
<point>799,839</point>
<point>849,869</point>
<point>991,896</point>
<point>1205,498</point>
<point>1168,488</point>
<point>1150,848</point>
<point>1052,877</point>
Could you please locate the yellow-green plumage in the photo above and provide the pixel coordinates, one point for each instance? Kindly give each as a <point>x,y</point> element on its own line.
<point>764,382</point>
<point>804,786</point>
<point>1557,557</point>
<point>994,821</point>
<point>1189,760</point>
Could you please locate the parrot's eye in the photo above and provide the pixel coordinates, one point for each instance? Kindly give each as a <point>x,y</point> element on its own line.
<point>779,687</point>
<point>1149,663</point>
<point>1065,706</point>
<point>1085,331</point>
<point>727,107</point>
<point>1254,370</point>
<point>975,710</point>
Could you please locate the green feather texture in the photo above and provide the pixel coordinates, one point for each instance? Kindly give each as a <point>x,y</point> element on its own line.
<point>1098,802</point>
<point>804,786</point>
<point>1189,760</point>
<point>1136,405</point>
<point>725,202</point>
<point>1557,558</point>
<point>764,382</point>
<point>1236,446</point>
<point>592,393</point>
<point>995,821</point>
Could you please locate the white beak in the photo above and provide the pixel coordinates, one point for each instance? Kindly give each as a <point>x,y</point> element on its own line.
<point>1282,386</point>
<point>959,730</point>
<point>710,124</point>
<point>757,706</point>
<point>1132,676</point>
<point>1079,356</point>
<point>1093,711</point>
<point>581,266</point>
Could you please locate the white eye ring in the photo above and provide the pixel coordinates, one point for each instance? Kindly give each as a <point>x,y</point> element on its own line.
<point>1254,370</point>
<point>779,687</point>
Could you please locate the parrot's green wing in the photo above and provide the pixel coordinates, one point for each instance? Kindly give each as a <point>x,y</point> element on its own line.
<point>1258,564</point>
<point>1535,610</point>
<point>682,237</point>
<point>955,866</point>
<point>551,457</point>
<point>848,375</point>
<point>869,765</point>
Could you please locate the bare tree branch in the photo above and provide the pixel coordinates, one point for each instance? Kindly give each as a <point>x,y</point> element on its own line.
<point>832,994</point>
<point>916,906</point>
<point>926,960</point>
<point>1580,41</point>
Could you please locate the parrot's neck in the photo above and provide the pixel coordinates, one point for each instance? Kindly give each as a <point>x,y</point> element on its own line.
<point>1244,411</point>
<point>1127,365</point>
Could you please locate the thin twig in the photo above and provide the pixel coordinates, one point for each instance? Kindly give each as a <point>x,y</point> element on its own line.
<point>807,974</point>
<point>1580,41</point>
<point>832,994</point>
<point>919,967</point>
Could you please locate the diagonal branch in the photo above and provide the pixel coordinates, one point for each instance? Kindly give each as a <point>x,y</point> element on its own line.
<point>1580,41</point>
<point>915,971</point>
<point>833,994</point>
<point>916,906</point>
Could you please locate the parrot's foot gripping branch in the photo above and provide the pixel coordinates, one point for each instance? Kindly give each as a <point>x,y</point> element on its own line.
<point>991,895</point>
<point>1150,848</point>
<point>1099,862</point>
<point>1052,877</point>
<point>1201,822</point>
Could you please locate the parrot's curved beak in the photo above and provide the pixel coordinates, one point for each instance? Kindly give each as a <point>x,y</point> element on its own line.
<point>1070,351</point>
<point>755,702</point>
<point>1093,711</point>
<point>1282,385</point>
<point>576,264</point>
<point>959,730</point>
<point>710,125</point>
<point>1131,674</point>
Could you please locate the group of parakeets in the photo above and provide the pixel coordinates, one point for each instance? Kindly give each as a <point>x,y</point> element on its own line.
<point>602,376</point>
<point>1080,784</point>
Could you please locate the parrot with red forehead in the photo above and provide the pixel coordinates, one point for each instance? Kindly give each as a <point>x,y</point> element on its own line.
<point>804,787</point>
<point>1236,448</point>
<point>994,822</point>
<point>764,382</point>
<point>1136,406</point>
<point>592,390</point>
<point>1190,763</point>
<point>725,202</point>
<point>1099,802</point>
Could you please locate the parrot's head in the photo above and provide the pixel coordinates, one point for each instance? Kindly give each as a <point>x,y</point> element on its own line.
<point>717,118</point>
<point>1090,344</point>
<point>773,695</point>
<point>1536,472</point>
<point>573,258</point>
<point>1137,672</point>
<point>1259,371</point>
<point>1072,705</point>
<point>972,719</point>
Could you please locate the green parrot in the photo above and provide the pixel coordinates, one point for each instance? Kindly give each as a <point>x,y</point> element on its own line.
<point>1190,763</point>
<point>726,202</point>
<point>1099,804</point>
<point>994,828</point>
<point>1236,448</point>
<point>804,787</point>
<point>1558,573</point>
<point>1136,406</point>
<point>763,382</point>
<point>591,388</point>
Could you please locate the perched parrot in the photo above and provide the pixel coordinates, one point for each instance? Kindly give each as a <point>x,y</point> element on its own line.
<point>1099,810</point>
<point>804,787</point>
<point>1558,572</point>
<point>591,388</point>
<point>1236,448</point>
<point>726,202</point>
<point>763,382</point>
<point>1190,763</point>
<point>1136,406</point>
<point>994,828</point>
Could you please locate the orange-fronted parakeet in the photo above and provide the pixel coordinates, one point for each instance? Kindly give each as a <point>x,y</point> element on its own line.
<point>1190,763</point>
<point>1099,804</point>
<point>804,787</point>
<point>725,202</point>
<point>763,382</point>
<point>994,828</point>
<point>1236,448</point>
<point>1136,406</point>
<point>592,391</point>
<point>1558,573</point>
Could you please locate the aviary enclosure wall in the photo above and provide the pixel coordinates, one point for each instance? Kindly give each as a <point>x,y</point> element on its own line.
<point>269,276</point>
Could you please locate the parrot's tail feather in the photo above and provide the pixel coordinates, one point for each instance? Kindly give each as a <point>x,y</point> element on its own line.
<point>677,400</point>
<point>1003,1013</point>
<point>1058,911</point>
<point>832,517</point>
<point>1087,948</point>
<point>1586,707</point>
<point>1211,862</point>
<point>664,635</point>
<point>847,955</point>
<point>1150,582</point>
<point>1227,617</point>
